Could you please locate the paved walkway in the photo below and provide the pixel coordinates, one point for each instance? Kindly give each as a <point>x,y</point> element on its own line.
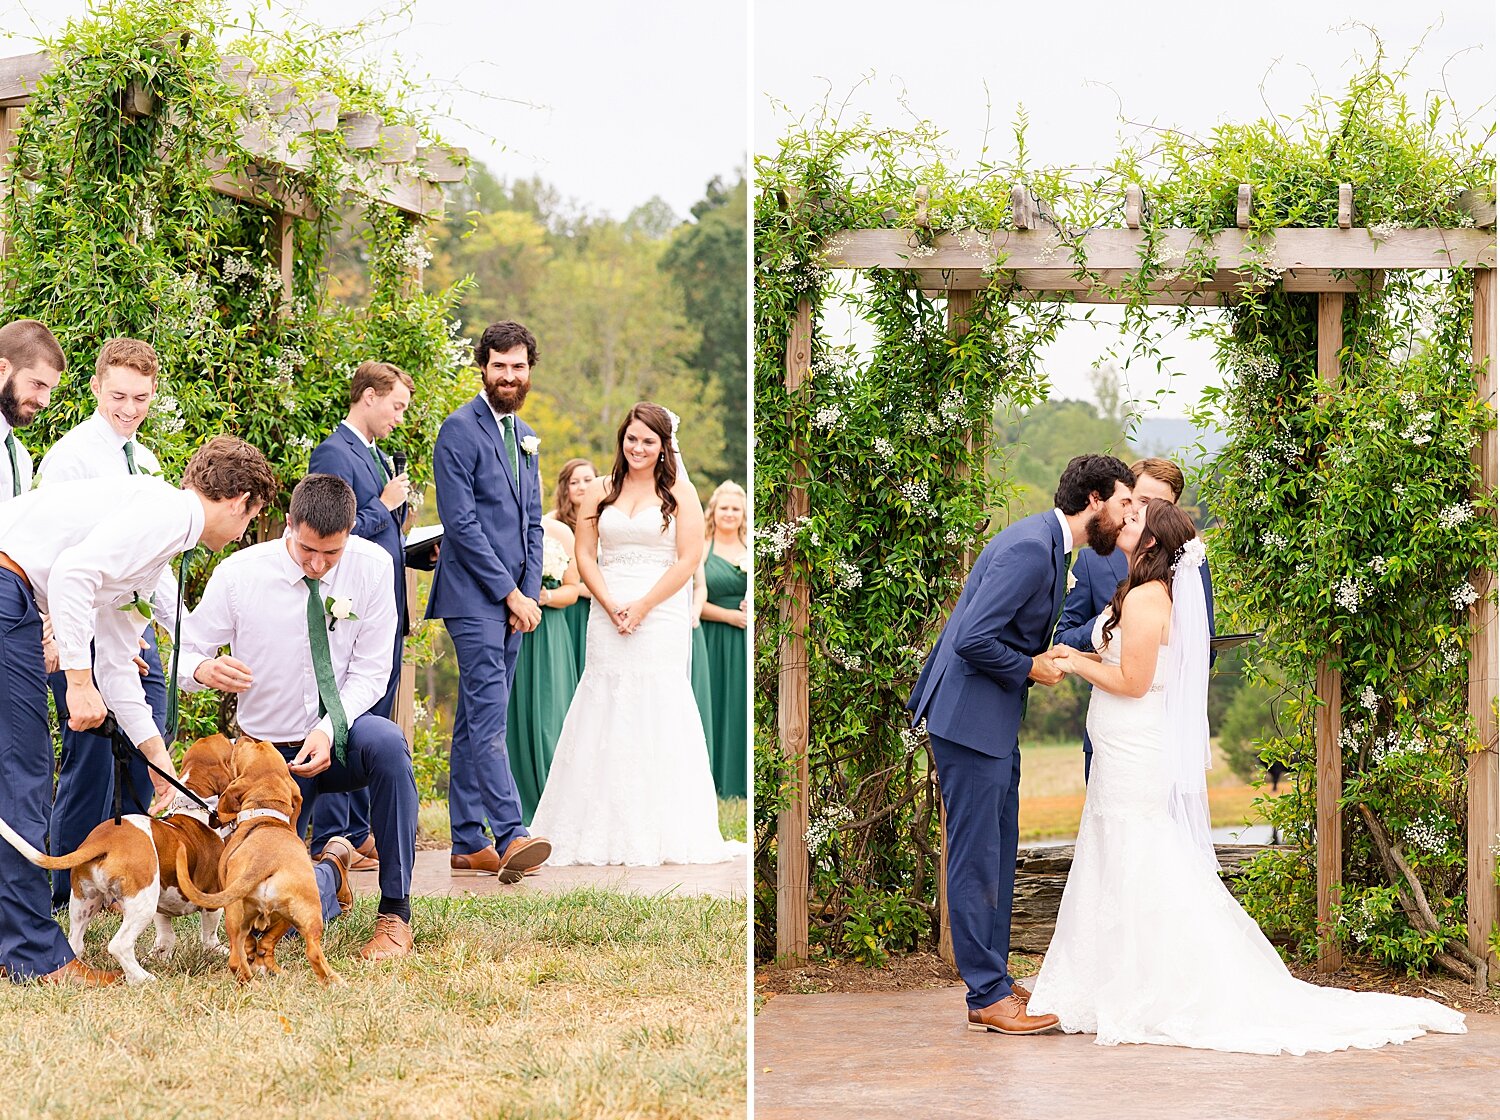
<point>431,877</point>
<point>909,1054</point>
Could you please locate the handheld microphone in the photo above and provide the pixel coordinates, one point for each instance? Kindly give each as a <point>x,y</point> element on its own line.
<point>398,461</point>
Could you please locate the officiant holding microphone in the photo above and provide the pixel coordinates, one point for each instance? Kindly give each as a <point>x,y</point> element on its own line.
<point>379,395</point>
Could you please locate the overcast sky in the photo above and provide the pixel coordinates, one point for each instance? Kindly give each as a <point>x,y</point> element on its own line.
<point>1078,66</point>
<point>611,102</point>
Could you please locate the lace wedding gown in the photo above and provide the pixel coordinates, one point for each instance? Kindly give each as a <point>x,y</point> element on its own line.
<point>1151,947</point>
<point>630,781</point>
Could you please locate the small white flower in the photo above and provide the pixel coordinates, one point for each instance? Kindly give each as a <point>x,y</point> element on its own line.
<point>827,418</point>
<point>530,444</point>
<point>1463,597</point>
<point>1349,593</point>
<point>1455,515</point>
<point>1379,565</point>
<point>1274,541</point>
<point>915,492</point>
<point>884,447</point>
<point>847,576</point>
<point>1368,700</point>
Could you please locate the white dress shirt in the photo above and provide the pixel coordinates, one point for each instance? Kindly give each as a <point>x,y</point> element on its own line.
<point>256,604</point>
<point>1062,520</point>
<point>88,548</point>
<point>23,464</point>
<point>93,449</point>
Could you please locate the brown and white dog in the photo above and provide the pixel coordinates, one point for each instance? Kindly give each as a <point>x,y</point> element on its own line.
<point>139,863</point>
<point>269,885</point>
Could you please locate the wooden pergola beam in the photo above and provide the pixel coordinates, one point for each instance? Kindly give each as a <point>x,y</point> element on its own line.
<point>1122,249</point>
<point>1097,288</point>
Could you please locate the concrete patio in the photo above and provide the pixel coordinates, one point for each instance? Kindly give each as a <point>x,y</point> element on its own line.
<point>432,877</point>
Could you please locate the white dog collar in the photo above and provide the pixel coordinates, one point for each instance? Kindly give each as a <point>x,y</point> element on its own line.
<point>253,814</point>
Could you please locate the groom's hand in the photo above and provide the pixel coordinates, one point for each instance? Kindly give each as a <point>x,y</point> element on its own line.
<point>1044,670</point>
<point>525,613</point>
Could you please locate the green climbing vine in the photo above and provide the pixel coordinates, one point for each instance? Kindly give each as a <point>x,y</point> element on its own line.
<point>1347,524</point>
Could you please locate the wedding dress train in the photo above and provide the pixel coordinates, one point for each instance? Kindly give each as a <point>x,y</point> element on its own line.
<point>1150,946</point>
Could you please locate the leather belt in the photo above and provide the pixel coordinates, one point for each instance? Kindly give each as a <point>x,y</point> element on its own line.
<point>11,566</point>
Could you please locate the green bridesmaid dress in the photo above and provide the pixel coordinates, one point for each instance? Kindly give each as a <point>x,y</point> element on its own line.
<point>577,615</point>
<point>703,691</point>
<point>540,693</point>
<point>727,652</point>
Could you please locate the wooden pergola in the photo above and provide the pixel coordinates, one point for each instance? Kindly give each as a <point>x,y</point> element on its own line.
<point>386,167</point>
<point>1091,269</point>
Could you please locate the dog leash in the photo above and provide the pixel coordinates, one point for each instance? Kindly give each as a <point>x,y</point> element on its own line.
<point>125,752</point>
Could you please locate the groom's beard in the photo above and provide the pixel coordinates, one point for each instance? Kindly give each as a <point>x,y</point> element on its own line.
<point>507,398</point>
<point>1102,536</point>
<point>10,408</point>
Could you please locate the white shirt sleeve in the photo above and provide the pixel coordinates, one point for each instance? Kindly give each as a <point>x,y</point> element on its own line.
<point>117,642</point>
<point>62,464</point>
<point>164,600</point>
<point>369,670</point>
<point>74,583</point>
<point>206,629</point>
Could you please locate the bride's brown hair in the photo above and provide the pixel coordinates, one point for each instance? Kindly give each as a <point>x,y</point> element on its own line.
<point>1164,530</point>
<point>657,419</point>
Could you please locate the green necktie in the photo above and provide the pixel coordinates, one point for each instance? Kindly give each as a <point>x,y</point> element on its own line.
<point>328,694</point>
<point>15,471</point>
<point>130,456</point>
<point>508,428</point>
<point>379,464</point>
<point>172,707</point>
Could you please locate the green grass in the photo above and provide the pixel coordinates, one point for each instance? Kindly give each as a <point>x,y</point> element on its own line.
<point>586,1004</point>
<point>432,820</point>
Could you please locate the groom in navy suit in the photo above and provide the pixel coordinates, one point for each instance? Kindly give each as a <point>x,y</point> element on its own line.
<point>379,395</point>
<point>972,694</point>
<point>489,575</point>
<point>1097,577</point>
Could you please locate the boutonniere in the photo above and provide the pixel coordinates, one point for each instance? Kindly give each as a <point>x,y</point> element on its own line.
<point>530,444</point>
<point>1072,580</point>
<point>139,609</point>
<point>338,610</point>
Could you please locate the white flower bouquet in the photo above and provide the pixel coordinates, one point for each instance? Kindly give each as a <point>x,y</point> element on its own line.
<point>554,563</point>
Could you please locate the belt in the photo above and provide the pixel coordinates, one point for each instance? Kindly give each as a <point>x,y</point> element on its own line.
<point>295,746</point>
<point>11,566</point>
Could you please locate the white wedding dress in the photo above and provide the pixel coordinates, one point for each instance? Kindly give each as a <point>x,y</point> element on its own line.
<point>1151,947</point>
<point>630,781</point>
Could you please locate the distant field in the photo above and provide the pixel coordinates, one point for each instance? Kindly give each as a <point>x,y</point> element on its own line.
<point>1052,792</point>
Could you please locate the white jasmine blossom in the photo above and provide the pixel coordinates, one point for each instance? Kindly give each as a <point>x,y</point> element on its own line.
<point>1367,699</point>
<point>884,447</point>
<point>915,492</point>
<point>847,576</point>
<point>951,411</point>
<point>913,738</point>
<point>822,827</point>
<point>1455,515</point>
<point>1429,834</point>
<point>1463,597</point>
<point>827,417</point>
<point>775,537</point>
<point>1349,592</point>
<point>1274,541</point>
<point>1379,565</point>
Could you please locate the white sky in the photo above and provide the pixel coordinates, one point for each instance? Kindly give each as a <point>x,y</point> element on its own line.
<point>611,102</point>
<point>1079,67</point>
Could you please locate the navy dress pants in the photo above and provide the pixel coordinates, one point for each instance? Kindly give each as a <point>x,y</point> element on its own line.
<point>481,788</point>
<point>31,942</point>
<point>982,797</point>
<point>376,760</point>
<point>348,814</point>
<point>86,773</point>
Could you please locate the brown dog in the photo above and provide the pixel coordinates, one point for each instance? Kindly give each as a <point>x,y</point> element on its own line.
<point>140,862</point>
<point>268,879</point>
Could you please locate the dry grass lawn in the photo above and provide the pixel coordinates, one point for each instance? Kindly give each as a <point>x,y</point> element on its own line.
<point>588,1004</point>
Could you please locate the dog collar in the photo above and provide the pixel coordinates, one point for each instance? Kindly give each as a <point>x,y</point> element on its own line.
<point>184,805</point>
<point>254,814</point>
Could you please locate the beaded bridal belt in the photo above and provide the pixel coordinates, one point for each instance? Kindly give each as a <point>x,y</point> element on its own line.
<point>636,558</point>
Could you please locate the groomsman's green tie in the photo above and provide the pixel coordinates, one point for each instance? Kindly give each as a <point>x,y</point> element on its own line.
<point>329,703</point>
<point>130,456</point>
<point>172,707</point>
<point>508,427</point>
<point>15,471</point>
<point>379,464</point>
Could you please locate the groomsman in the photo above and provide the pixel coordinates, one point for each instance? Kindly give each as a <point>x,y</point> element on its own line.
<point>105,446</point>
<point>31,365</point>
<point>309,620</point>
<point>79,551</point>
<point>378,399</point>
<point>489,575</point>
<point>1097,577</point>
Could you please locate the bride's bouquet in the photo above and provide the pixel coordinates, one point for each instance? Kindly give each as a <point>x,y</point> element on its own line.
<point>554,564</point>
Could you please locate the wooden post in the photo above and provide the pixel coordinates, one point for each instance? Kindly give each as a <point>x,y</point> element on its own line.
<point>792,693</point>
<point>960,304</point>
<point>1484,662</point>
<point>1330,691</point>
<point>10,120</point>
<point>285,249</point>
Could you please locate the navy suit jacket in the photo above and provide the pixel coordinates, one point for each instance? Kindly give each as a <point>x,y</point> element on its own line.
<point>492,520</point>
<point>343,454</point>
<point>973,686</point>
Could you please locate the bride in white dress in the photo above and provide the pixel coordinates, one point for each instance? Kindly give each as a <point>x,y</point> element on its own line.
<point>630,781</point>
<point>1150,946</point>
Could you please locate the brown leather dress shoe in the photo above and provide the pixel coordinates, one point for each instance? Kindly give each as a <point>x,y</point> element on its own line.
<point>76,972</point>
<point>1009,1016</point>
<point>523,854</point>
<point>366,858</point>
<point>1020,993</point>
<point>483,862</point>
<point>340,853</point>
<point>392,939</point>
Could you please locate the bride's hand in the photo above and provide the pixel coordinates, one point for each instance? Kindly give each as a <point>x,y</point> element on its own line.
<point>1062,658</point>
<point>631,615</point>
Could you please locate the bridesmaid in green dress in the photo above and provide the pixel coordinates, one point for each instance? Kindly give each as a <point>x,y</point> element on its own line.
<point>725,617</point>
<point>572,481</point>
<point>546,675</point>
